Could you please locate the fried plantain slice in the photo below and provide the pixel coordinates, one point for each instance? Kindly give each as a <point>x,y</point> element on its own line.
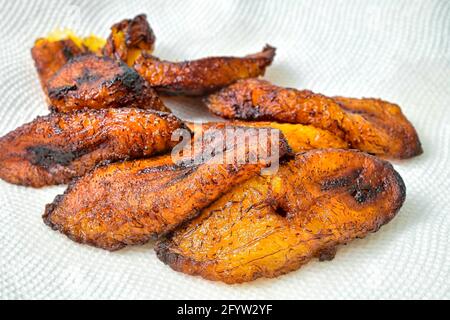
<point>55,50</point>
<point>201,76</point>
<point>94,82</point>
<point>129,38</point>
<point>50,56</point>
<point>272,225</point>
<point>58,147</point>
<point>299,137</point>
<point>371,125</point>
<point>131,202</point>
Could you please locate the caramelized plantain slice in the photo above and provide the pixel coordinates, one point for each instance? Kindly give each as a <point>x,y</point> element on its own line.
<point>272,225</point>
<point>371,125</point>
<point>58,147</point>
<point>131,202</point>
<point>129,38</point>
<point>50,56</point>
<point>201,76</point>
<point>94,82</point>
<point>55,50</point>
<point>299,137</point>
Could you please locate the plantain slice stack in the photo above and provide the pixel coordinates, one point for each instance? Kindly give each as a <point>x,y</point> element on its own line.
<point>131,202</point>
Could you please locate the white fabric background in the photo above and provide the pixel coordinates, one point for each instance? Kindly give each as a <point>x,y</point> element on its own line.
<point>397,50</point>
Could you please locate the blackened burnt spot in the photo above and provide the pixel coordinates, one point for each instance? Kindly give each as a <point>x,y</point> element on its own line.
<point>68,52</point>
<point>87,76</point>
<point>61,92</point>
<point>365,193</point>
<point>280,211</point>
<point>340,182</point>
<point>327,254</point>
<point>130,79</point>
<point>47,157</point>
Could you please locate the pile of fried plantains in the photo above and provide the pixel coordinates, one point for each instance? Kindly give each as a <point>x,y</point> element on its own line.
<point>110,137</point>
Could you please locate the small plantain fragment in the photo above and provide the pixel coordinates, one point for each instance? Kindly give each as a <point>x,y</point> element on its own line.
<point>56,148</point>
<point>299,137</point>
<point>201,76</point>
<point>371,125</point>
<point>129,38</point>
<point>94,82</point>
<point>131,202</point>
<point>269,226</point>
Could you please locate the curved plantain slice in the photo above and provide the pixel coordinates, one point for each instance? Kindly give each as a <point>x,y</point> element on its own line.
<point>272,225</point>
<point>131,202</point>
<point>94,82</point>
<point>201,76</point>
<point>371,125</point>
<point>57,48</point>
<point>129,38</point>
<point>50,56</point>
<point>299,137</point>
<point>58,147</point>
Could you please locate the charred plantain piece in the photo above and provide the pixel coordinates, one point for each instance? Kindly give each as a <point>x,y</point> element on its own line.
<point>201,76</point>
<point>58,147</point>
<point>94,82</point>
<point>131,202</point>
<point>272,225</point>
<point>129,38</point>
<point>371,125</point>
<point>55,50</point>
<point>50,56</point>
<point>299,137</point>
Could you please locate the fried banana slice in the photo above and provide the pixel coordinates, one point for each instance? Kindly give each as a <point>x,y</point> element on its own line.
<point>299,137</point>
<point>58,147</point>
<point>272,225</point>
<point>55,50</point>
<point>201,76</point>
<point>94,82</point>
<point>129,38</point>
<point>131,202</point>
<point>371,125</point>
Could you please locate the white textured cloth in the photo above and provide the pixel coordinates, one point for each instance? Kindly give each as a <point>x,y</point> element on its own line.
<point>396,50</point>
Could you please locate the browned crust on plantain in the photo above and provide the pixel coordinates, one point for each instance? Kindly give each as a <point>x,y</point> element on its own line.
<point>55,148</point>
<point>269,226</point>
<point>94,82</point>
<point>128,38</point>
<point>131,202</point>
<point>371,125</point>
<point>50,56</point>
<point>201,76</point>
